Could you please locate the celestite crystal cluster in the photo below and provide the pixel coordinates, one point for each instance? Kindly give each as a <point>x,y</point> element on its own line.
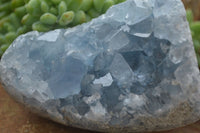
<point>21,16</point>
<point>132,69</point>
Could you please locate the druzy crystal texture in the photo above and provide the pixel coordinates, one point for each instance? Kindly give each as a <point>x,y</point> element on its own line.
<point>132,69</point>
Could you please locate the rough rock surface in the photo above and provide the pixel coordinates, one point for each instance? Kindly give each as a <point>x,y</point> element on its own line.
<point>132,69</point>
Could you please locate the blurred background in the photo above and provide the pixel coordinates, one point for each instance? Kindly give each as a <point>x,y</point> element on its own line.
<point>195,6</point>
<point>14,118</point>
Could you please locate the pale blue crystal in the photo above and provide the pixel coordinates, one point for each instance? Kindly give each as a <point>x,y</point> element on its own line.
<point>132,69</point>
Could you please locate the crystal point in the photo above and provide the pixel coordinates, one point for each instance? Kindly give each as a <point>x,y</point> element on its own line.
<point>132,69</point>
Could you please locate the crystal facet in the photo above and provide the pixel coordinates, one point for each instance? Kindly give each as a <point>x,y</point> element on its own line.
<point>132,69</point>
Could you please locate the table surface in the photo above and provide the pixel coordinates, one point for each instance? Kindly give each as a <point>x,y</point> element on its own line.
<point>15,118</point>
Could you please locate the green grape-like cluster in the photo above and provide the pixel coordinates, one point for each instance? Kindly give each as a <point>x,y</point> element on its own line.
<point>195,30</point>
<point>21,16</point>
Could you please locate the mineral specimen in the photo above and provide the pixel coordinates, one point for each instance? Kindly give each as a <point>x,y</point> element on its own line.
<point>132,69</point>
<point>21,16</point>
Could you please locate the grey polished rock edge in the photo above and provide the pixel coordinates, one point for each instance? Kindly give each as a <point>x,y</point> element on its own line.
<point>132,69</point>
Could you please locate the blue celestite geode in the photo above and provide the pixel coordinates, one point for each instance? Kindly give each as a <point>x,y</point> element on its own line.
<point>132,69</point>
